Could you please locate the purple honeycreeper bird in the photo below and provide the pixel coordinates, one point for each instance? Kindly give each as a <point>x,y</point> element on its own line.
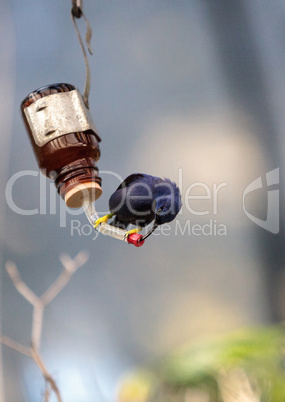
<point>141,199</point>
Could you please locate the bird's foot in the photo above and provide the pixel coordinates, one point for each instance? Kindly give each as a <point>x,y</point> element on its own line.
<point>136,230</point>
<point>103,219</point>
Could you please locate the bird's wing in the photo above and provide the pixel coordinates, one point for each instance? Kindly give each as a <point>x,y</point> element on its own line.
<point>125,207</point>
<point>130,179</point>
<point>119,195</point>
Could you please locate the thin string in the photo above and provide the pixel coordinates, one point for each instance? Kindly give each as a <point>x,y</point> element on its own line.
<point>77,12</point>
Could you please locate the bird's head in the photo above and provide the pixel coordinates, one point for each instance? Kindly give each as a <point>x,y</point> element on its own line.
<point>167,202</point>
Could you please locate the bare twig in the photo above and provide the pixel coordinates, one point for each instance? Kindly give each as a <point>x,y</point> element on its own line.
<point>36,357</point>
<point>70,266</point>
<point>5,340</point>
<point>37,325</point>
<point>47,392</point>
<point>22,288</point>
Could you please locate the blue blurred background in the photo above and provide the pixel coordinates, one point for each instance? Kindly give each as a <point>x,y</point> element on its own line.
<point>192,90</point>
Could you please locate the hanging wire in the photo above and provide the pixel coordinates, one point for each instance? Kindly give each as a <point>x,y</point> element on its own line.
<point>77,12</point>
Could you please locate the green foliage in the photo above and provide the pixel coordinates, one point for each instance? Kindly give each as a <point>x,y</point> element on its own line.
<point>248,363</point>
<point>258,352</point>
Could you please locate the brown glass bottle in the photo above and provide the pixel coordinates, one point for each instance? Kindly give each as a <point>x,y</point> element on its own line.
<point>69,159</point>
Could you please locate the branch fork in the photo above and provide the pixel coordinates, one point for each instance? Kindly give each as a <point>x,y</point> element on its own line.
<point>70,266</point>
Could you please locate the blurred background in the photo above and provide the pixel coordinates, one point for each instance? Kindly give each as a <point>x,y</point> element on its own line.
<point>192,90</point>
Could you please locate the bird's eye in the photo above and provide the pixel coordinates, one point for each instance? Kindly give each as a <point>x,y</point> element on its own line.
<point>159,210</point>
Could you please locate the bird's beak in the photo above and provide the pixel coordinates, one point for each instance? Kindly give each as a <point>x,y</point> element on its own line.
<point>155,225</point>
